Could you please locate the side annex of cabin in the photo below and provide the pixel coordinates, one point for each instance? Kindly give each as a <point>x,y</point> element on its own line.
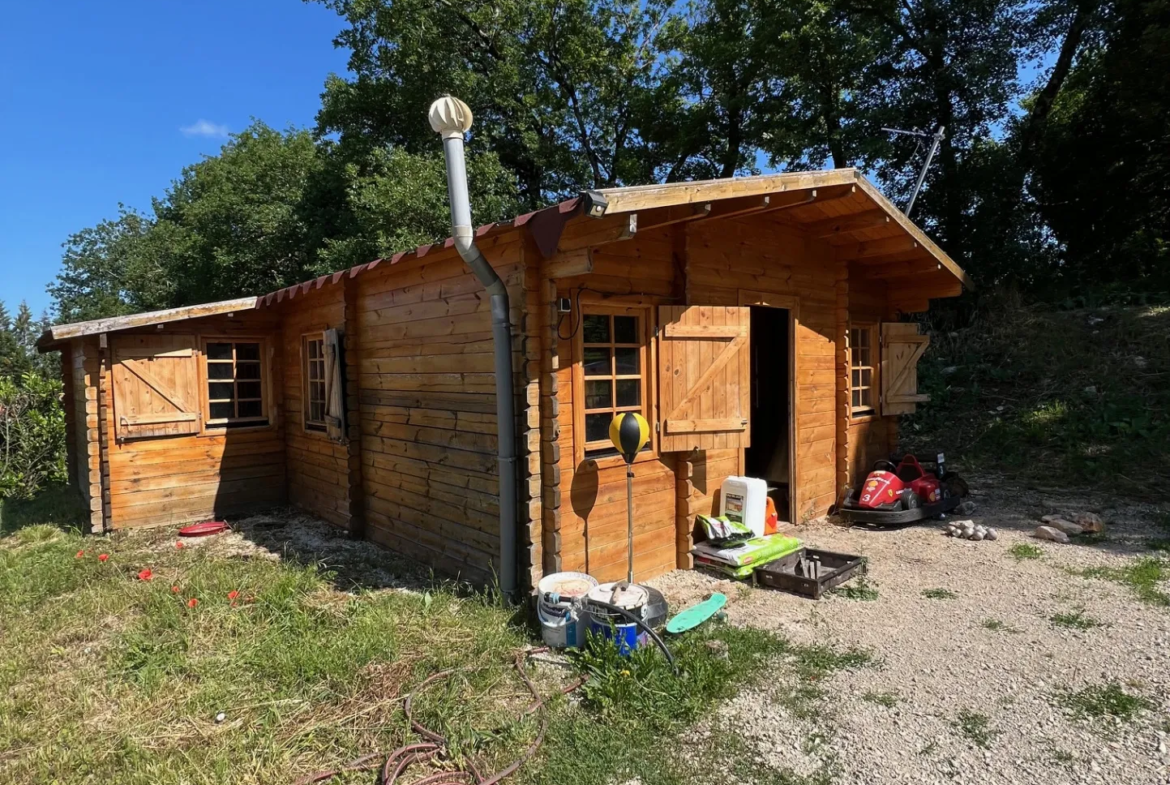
<point>755,322</point>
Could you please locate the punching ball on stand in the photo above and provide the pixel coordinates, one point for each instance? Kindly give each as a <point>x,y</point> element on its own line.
<point>629,433</point>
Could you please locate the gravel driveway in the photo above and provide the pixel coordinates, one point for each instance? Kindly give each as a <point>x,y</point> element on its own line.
<point>967,688</point>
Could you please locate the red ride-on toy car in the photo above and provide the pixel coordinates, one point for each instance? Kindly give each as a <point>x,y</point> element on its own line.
<point>902,493</point>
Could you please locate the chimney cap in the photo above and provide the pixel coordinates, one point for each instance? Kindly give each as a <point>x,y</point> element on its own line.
<point>450,117</point>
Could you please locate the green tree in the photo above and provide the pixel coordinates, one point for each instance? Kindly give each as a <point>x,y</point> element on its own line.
<point>559,87</point>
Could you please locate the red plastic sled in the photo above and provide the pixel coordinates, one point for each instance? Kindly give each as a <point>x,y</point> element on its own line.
<point>203,529</point>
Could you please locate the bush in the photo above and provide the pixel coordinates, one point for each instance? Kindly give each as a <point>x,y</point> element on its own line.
<point>32,435</point>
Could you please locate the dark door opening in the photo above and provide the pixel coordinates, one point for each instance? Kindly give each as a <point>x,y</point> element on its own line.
<point>770,456</point>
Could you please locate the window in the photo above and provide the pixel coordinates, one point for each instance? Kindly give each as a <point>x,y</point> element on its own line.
<point>314,375</point>
<point>861,348</point>
<point>613,359</point>
<point>235,383</point>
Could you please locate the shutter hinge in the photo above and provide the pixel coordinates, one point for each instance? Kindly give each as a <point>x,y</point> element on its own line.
<point>657,427</point>
<point>656,328</point>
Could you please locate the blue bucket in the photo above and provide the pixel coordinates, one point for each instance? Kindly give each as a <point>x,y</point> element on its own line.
<point>626,635</point>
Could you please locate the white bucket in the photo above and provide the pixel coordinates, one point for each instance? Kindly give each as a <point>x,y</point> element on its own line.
<point>561,626</point>
<point>558,609</point>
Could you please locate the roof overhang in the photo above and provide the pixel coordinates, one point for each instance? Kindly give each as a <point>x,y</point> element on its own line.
<point>53,337</point>
<point>838,206</point>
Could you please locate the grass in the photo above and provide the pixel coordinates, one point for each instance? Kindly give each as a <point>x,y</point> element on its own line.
<point>107,677</point>
<point>1025,550</point>
<point>861,590</point>
<point>886,699</point>
<point>1104,700</point>
<point>995,625</point>
<point>939,594</point>
<point>1075,620</point>
<point>1041,392</point>
<point>1143,576</point>
<point>976,728</point>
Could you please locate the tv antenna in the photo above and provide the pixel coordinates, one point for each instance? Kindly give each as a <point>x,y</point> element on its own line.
<point>936,138</point>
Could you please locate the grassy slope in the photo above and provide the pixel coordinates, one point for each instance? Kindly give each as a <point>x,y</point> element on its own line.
<point>105,677</point>
<point>1054,397</point>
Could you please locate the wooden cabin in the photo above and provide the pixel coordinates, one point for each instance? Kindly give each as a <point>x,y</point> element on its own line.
<point>756,322</point>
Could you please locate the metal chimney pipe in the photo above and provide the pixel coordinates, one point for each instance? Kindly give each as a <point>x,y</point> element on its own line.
<point>451,118</point>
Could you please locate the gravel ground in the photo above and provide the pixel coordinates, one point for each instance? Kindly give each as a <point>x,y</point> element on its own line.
<point>937,660</point>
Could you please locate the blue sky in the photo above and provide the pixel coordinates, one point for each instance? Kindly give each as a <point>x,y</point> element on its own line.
<point>107,102</point>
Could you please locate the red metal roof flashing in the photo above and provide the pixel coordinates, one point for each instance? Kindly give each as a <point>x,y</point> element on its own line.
<point>546,226</point>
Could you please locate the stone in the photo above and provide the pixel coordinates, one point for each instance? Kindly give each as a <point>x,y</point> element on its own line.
<point>992,534</point>
<point>966,508</point>
<point>1089,522</point>
<point>1065,525</point>
<point>1050,533</point>
<point>978,535</point>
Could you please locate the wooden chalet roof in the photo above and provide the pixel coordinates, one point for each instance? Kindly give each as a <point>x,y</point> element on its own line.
<point>57,334</point>
<point>838,206</point>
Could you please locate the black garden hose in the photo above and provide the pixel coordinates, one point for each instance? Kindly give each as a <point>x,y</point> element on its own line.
<point>637,620</point>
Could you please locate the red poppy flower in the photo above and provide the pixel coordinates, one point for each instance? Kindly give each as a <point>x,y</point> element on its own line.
<point>174,590</point>
<point>191,603</point>
<point>233,594</point>
<point>103,557</point>
<point>145,575</point>
<point>179,544</point>
<point>79,554</point>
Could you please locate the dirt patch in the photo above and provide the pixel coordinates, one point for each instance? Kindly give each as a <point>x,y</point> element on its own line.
<point>289,535</point>
<point>973,687</point>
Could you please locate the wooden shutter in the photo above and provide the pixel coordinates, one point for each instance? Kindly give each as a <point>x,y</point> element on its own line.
<point>902,347</point>
<point>155,379</point>
<point>704,377</point>
<point>334,400</point>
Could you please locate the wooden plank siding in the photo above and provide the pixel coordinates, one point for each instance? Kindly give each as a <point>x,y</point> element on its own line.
<point>171,480</point>
<point>317,467</point>
<point>772,255</point>
<point>428,409</point>
<point>874,437</point>
<point>591,524</point>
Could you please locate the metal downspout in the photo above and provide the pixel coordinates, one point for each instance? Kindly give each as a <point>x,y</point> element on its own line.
<point>452,118</point>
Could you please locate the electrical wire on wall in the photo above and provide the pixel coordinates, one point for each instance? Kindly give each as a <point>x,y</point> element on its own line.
<point>576,298</point>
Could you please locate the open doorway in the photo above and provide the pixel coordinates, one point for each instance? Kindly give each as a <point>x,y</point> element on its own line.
<point>770,456</point>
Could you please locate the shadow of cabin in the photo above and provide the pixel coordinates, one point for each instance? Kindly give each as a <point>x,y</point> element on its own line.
<point>367,397</point>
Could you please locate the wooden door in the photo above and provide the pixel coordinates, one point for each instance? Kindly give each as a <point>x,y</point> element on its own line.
<point>155,381</point>
<point>902,347</point>
<point>704,377</point>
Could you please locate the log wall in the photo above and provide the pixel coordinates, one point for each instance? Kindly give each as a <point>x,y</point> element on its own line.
<point>428,407</point>
<point>180,479</point>
<point>317,467</point>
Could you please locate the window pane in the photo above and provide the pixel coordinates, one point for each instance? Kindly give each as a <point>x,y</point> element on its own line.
<point>222,411</point>
<point>219,351</point>
<point>219,370</point>
<point>597,427</point>
<point>856,378</point>
<point>625,329</point>
<point>247,351</point>
<point>866,397</point>
<point>629,392</point>
<point>317,411</point>
<point>861,356</point>
<point>627,360</point>
<point>866,377</point>
<point>596,329</point>
<point>856,398</point>
<point>248,389</point>
<point>251,408</point>
<point>598,394</point>
<point>221,391</point>
<point>247,370</point>
<point>597,362</point>
<point>314,350</point>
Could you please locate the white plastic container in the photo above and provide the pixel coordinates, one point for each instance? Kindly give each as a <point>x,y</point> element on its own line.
<point>745,499</point>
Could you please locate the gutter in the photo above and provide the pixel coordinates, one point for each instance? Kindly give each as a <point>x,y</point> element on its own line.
<point>451,118</point>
